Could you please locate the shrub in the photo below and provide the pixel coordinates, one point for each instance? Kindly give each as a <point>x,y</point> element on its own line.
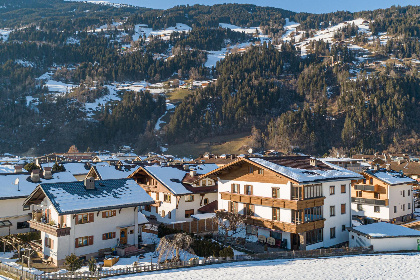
<point>92,265</point>
<point>73,262</point>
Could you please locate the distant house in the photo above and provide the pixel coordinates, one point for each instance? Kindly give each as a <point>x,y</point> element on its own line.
<point>354,165</point>
<point>177,193</point>
<point>104,171</point>
<point>384,195</point>
<point>14,188</point>
<point>87,218</point>
<point>384,237</point>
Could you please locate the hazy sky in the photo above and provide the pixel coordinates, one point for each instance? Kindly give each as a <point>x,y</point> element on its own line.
<point>314,6</point>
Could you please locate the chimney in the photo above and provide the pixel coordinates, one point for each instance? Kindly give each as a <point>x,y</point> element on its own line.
<point>388,167</point>
<point>193,173</point>
<point>186,167</point>
<point>376,167</point>
<point>313,162</point>
<point>35,175</point>
<point>47,173</point>
<point>18,168</point>
<point>89,183</point>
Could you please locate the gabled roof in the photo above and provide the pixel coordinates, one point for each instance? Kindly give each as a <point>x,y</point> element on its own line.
<point>390,177</point>
<point>106,171</point>
<point>71,198</point>
<point>296,168</point>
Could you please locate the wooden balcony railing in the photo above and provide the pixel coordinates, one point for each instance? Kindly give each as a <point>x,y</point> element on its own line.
<point>273,202</point>
<point>370,201</point>
<point>287,227</point>
<point>55,231</point>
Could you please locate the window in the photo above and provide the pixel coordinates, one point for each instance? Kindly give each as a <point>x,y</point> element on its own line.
<point>359,207</point>
<point>248,189</point>
<point>313,213</point>
<point>251,169</point>
<point>261,171</point>
<point>84,241</point>
<point>395,209</point>
<point>343,188</point>
<point>403,207</point>
<point>371,181</point>
<point>332,233</point>
<point>314,236</point>
<point>311,191</point>
<point>249,209</point>
<point>332,211</point>
<point>343,208</point>
<point>109,213</point>
<point>376,195</point>
<point>276,214</point>
<point>275,192</point>
<point>26,207</point>
<point>21,225</point>
<point>188,213</point>
<point>409,206</point>
<point>377,209</point>
<point>189,198</point>
<point>108,235</point>
<point>169,214</point>
<point>332,190</point>
<point>358,193</point>
<point>49,243</point>
<point>206,201</point>
<point>364,181</point>
<point>233,207</point>
<point>235,188</point>
<point>148,208</point>
<point>408,192</point>
<point>163,213</point>
<point>343,228</point>
<point>167,197</point>
<point>403,193</point>
<point>85,218</point>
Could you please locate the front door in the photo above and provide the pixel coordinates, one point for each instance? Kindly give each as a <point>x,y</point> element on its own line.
<point>123,236</point>
<point>294,244</point>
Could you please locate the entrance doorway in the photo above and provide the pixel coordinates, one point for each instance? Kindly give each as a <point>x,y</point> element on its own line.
<point>123,236</point>
<point>295,241</point>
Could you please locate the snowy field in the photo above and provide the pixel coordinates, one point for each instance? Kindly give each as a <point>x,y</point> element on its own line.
<point>352,267</point>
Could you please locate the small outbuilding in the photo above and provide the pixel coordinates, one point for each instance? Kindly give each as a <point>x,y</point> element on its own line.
<point>385,237</point>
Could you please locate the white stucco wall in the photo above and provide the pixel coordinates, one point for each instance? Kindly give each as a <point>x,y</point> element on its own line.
<point>385,244</point>
<point>12,210</point>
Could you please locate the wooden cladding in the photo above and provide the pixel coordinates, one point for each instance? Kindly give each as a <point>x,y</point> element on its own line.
<point>273,202</point>
<point>49,229</point>
<point>287,227</point>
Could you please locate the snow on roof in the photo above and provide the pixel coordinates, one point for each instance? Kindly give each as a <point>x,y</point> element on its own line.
<point>306,176</point>
<point>390,176</point>
<point>7,168</point>
<point>171,177</point>
<point>332,159</point>
<point>8,189</point>
<point>110,172</point>
<point>383,230</point>
<point>203,216</point>
<point>141,219</point>
<point>76,168</point>
<point>73,197</point>
<point>204,168</point>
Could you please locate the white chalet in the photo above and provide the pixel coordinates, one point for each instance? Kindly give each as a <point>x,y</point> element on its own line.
<point>294,202</point>
<point>88,217</point>
<point>177,195</point>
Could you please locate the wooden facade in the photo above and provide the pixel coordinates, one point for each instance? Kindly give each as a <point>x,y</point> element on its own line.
<point>287,227</point>
<point>273,202</point>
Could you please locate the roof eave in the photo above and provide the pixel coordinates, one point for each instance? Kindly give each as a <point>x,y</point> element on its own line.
<point>106,208</point>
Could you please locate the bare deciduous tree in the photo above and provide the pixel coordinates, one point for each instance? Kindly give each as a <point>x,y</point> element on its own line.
<point>229,223</point>
<point>171,245</point>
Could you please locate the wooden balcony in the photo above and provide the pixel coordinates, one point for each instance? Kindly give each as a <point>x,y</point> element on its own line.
<point>273,202</point>
<point>287,227</point>
<point>368,201</point>
<point>55,231</point>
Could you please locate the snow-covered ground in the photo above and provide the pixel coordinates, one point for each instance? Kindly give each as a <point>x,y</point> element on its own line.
<point>6,258</point>
<point>169,106</point>
<point>389,266</point>
<point>4,34</point>
<point>112,96</point>
<point>143,29</point>
<point>56,87</point>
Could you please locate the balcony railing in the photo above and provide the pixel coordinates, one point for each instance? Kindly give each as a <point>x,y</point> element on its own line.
<point>287,227</point>
<point>55,231</point>
<point>273,202</point>
<point>369,188</point>
<point>368,201</point>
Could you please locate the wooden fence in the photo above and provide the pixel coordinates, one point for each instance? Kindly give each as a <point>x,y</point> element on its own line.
<point>191,263</point>
<point>197,226</point>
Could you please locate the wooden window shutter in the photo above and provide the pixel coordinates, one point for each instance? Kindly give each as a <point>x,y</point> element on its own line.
<point>114,212</point>
<point>274,214</point>
<point>103,236</point>
<point>46,242</point>
<point>343,208</point>
<point>113,235</point>
<point>76,220</point>
<point>52,244</point>
<point>91,240</point>
<point>103,214</point>
<point>232,188</point>
<point>91,217</point>
<point>230,206</point>
<point>76,244</point>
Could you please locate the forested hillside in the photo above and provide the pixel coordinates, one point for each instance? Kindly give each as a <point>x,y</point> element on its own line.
<point>102,76</point>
